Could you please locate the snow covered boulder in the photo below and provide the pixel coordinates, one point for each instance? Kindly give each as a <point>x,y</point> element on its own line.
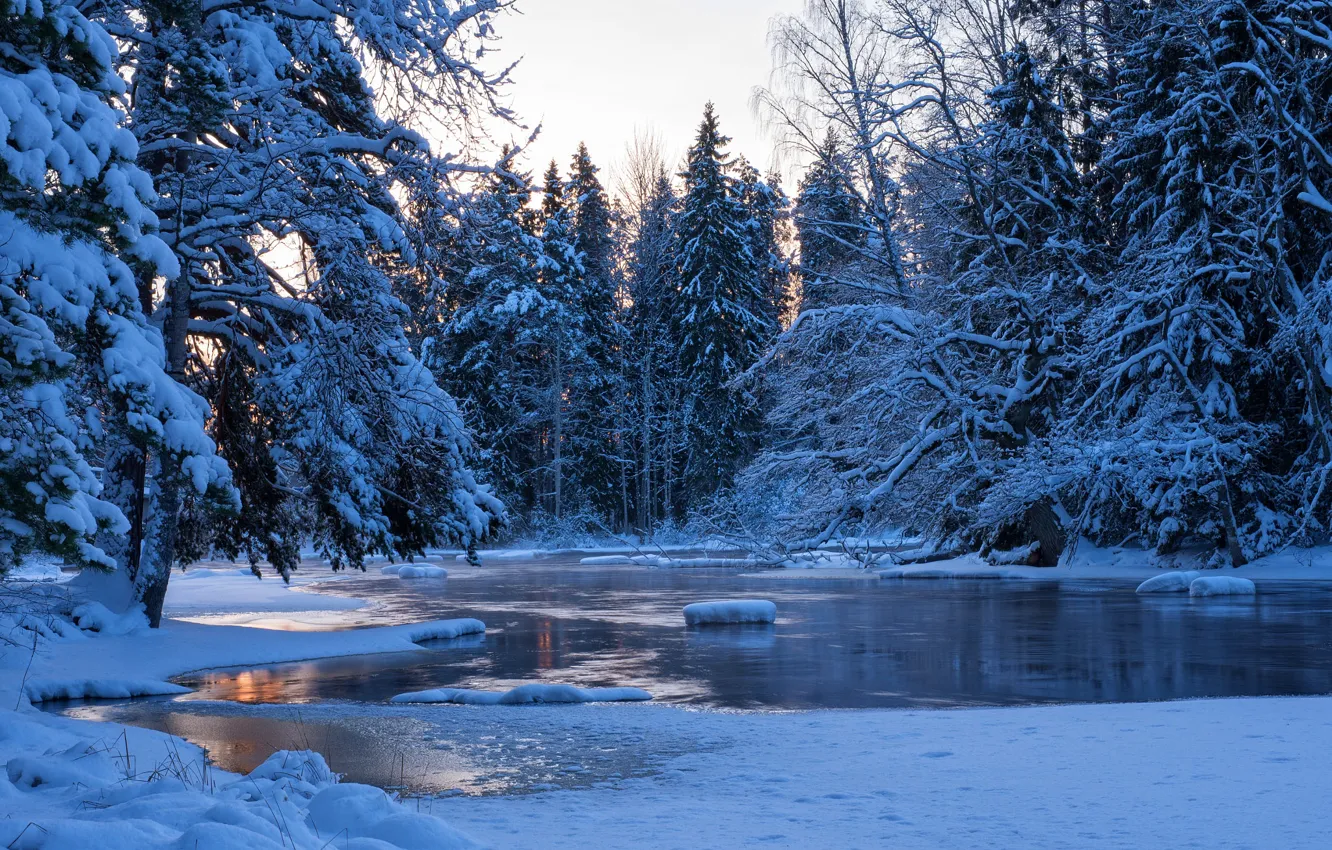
<point>730,611</point>
<point>1221,586</point>
<point>532,694</point>
<point>422,571</point>
<point>1171,582</point>
<point>96,617</point>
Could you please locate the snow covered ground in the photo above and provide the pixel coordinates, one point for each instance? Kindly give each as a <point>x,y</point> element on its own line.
<point>1244,773</point>
<point>1090,562</point>
<point>1213,773</point>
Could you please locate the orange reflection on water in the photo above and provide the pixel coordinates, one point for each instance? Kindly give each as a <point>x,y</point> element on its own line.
<point>545,646</point>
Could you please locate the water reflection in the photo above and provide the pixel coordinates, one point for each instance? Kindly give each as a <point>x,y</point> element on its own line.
<point>837,644</point>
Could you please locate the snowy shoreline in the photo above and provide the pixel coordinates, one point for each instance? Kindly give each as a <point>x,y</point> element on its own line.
<point>901,778</point>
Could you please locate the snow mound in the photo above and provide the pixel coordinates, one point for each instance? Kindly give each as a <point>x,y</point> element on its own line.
<point>96,617</point>
<point>391,569</point>
<point>607,559</point>
<point>444,629</point>
<point>1221,586</point>
<point>1172,582</point>
<point>526,695</point>
<point>422,571</point>
<point>45,690</point>
<point>730,611</point>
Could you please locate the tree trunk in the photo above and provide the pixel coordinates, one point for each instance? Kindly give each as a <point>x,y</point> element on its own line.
<point>162,528</point>
<point>1044,525</point>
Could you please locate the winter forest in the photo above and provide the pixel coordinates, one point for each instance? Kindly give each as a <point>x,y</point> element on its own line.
<point>296,301</point>
<point>1050,271</point>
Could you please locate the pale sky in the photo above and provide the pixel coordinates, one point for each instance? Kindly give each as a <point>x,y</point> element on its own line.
<point>594,70</point>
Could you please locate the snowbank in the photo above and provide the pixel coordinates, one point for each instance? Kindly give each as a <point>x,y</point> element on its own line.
<point>69,788</point>
<point>948,573</point>
<point>730,611</point>
<point>422,571</point>
<point>205,591</point>
<point>526,695</point>
<point>1221,586</point>
<point>1172,582</point>
<point>139,663</point>
<point>443,629</point>
<point>44,690</point>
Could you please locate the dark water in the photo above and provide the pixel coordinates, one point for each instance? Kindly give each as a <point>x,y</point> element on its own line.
<point>837,644</point>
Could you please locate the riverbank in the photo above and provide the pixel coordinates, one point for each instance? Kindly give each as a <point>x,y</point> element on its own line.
<point>1226,773</point>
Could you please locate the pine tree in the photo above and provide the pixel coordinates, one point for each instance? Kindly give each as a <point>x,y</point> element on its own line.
<point>600,418</point>
<point>77,261</point>
<point>830,226</point>
<point>653,384</point>
<point>486,353</point>
<point>769,216</point>
<point>718,330</point>
<point>564,352</point>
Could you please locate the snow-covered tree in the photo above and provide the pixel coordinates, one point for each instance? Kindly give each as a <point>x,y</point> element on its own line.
<point>600,416</point>
<point>275,163</point>
<point>830,227</point>
<point>79,364</point>
<point>720,324</point>
<point>769,214</point>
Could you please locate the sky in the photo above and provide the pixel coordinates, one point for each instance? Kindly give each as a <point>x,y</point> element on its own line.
<point>597,70</point>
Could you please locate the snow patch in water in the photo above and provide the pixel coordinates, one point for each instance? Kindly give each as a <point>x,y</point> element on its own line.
<point>729,611</point>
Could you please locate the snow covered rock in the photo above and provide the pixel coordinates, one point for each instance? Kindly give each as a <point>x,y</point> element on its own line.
<point>1221,586</point>
<point>96,617</point>
<point>1171,582</point>
<point>422,571</point>
<point>606,559</point>
<point>730,611</point>
<point>526,695</point>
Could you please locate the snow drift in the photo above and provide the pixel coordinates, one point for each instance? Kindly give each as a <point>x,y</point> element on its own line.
<point>417,571</point>
<point>1172,582</point>
<point>730,611</point>
<point>526,695</point>
<point>1221,586</point>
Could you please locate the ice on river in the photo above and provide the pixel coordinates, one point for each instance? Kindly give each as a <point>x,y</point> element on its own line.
<point>526,695</point>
